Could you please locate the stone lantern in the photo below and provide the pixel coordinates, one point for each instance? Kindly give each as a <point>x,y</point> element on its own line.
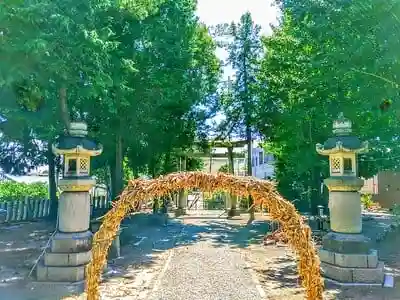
<point>343,183</point>
<point>71,246</point>
<point>346,255</point>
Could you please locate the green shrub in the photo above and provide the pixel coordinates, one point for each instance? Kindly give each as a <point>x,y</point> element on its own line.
<point>366,200</point>
<point>10,190</point>
<point>215,204</point>
<point>214,200</point>
<point>224,168</point>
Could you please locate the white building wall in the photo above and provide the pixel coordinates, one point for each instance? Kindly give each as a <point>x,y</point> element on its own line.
<point>262,164</point>
<point>217,162</point>
<point>370,186</point>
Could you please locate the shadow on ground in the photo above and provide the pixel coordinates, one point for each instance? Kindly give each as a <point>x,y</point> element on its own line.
<point>284,277</point>
<point>278,272</point>
<point>144,246</point>
<point>222,232</point>
<point>21,244</point>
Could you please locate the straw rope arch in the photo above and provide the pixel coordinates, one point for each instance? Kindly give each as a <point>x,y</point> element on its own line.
<point>139,190</point>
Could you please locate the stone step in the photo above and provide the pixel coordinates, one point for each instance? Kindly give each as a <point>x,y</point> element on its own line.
<point>59,273</point>
<point>52,259</point>
<point>354,275</point>
<point>369,260</point>
<point>71,242</point>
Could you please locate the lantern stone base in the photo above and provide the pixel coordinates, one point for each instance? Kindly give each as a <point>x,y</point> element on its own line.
<point>231,206</point>
<point>346,243</point>
<point>233,212</point>
<point>354,275</point>
<point>60,273</point>
<point>68,256</point>
<point>180,212</point>
<point>67,259</point>
<point>72,242</point>
<point>347,258</point>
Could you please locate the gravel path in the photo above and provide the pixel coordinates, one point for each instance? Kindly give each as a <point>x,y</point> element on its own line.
<point>204,271</point>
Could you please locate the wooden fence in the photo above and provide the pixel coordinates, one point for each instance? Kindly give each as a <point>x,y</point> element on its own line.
<point>30,209</point>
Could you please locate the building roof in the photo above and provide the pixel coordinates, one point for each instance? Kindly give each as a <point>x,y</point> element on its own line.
<point>28,179</point>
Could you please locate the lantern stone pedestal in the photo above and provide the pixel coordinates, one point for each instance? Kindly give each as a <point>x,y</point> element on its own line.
<point>346,255</point>
<point>70,249</point>
<point>231,205</point>
<point>182,195</point>
<point>182,204</point>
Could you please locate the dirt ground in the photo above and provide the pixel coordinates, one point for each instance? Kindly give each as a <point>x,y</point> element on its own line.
<point>131,276</point>
<point>277,272</point>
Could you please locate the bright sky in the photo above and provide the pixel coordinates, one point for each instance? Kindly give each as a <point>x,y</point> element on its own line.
<point>213,12</point>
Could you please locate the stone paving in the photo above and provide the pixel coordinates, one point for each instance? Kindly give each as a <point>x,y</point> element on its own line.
<point>206,270</point>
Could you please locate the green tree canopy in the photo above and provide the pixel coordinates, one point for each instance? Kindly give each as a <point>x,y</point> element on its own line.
<point>324,58</point>
<point>139,72</point>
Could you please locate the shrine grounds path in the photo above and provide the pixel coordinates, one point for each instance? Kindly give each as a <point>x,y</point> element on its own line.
<point>215,258</point>
<point>207,269</point>
<point>195,257</point>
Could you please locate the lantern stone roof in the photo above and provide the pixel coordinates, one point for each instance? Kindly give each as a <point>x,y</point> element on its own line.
<point>77,142</point>
<point>343,141</point>
<point>348,142</point>
<point>72,142</point>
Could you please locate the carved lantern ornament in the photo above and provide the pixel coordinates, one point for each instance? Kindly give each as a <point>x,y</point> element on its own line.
<point>342,149</point>
<point>77,150</point>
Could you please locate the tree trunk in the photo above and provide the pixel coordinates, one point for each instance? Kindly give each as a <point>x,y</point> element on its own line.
<point>153,167</point>
<point>156,205</point>
<point>231,170</point>
<point>230,160</point>
<point>247,116</point>
<point>64,107</point>
<point>315,180</point>
<point>211,159</point>
<point>249,171</point>
<point>112,180</point>
<point>117,168</point>
<point>52,183</point>
<point>315,185</point>
<point>182,200</point>
<point>167,163</point>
